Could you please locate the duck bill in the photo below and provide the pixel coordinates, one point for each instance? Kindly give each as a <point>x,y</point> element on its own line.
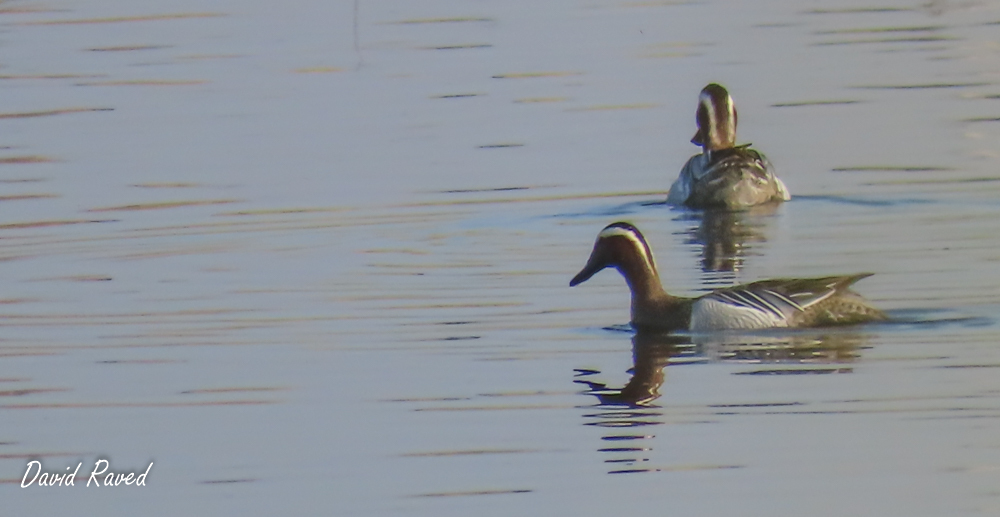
<point>588,271</point>
<point>698,138</point>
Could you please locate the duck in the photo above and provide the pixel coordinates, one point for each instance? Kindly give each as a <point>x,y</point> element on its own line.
<point>776,303</point>
<point>724,175</point>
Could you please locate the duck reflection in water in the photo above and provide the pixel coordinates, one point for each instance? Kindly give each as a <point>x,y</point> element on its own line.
<point>624,411</point>
<point>726,237</point>
<point>651,352</point>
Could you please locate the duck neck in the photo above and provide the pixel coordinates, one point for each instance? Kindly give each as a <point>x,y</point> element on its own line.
<point>652,307</point>
<point>643,281</point>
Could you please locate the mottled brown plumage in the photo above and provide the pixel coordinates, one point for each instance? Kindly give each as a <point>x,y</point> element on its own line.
<point>724,175</point>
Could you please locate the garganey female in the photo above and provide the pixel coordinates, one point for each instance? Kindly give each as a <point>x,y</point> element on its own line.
<point>812,302</point>
<point>724,175</point>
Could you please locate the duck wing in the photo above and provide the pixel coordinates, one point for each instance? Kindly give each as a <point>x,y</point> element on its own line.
<point>736,178</point>
<point>784,298</point>
<point>737,160</point>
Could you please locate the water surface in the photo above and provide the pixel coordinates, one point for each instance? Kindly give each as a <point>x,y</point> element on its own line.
<point>314,258</point>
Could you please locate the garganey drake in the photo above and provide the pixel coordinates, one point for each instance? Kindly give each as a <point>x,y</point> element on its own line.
<point>811,302</point>
<point>724,175</point>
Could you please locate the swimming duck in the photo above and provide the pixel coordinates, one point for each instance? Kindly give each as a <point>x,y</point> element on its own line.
<point>811,302</point>
<point>724,175</point>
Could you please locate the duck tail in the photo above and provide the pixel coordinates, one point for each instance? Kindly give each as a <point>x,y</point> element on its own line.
<point>844,282</point>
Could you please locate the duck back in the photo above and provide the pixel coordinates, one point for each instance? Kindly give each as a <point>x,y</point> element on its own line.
<point>735,179</point>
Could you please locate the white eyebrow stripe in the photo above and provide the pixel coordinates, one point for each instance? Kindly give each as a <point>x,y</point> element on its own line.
<point>731,128</point>
<point>706,102</point>
<point>617,231</point>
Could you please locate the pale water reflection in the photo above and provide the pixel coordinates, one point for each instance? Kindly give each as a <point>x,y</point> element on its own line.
<point>629,413</point>
<point>728,237</point>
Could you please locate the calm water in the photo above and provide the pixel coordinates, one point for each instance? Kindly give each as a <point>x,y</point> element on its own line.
<point>314,257</point>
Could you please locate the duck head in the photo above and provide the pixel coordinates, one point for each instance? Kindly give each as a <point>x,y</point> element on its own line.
<point>716,118</point>
<point>621,246</point>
